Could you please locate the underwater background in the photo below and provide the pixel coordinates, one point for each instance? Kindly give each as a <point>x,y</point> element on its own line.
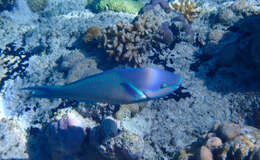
<point>213,44</point>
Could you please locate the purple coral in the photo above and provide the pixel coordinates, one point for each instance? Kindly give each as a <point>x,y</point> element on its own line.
<point>163,3</point>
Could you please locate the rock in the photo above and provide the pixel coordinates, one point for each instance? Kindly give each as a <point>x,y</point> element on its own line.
<point>227,17</point>
<point>126,145</point>
<point>110,127</point>
<point>213,143</point>
<point>205,154</point>
<point>228,131</point>
<point>215,36</point>
<point>66,136</point>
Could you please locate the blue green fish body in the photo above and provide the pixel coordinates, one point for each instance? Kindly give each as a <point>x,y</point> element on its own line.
<point>116,86</point>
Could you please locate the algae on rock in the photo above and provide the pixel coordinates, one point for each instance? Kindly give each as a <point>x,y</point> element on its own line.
<point>128,6</point>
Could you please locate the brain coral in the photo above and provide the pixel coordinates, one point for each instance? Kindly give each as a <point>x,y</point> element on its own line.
<point>129,6</point>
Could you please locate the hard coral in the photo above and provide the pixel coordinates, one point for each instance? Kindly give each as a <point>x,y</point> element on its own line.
<point>123,41</point>
<point>187,7</point>
<point>134,42</point>
<point>129,6</point>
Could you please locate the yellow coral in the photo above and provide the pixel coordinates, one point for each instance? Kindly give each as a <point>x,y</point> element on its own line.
<point>187,7</point>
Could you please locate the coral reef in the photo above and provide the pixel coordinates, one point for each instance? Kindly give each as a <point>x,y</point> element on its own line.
<point>6,4</point>
<point>163,126</point>
<point>130,6</point>
<point>187,7</point>
<point>132,43</point>
<point>37,5</point>
<point>244,144</point>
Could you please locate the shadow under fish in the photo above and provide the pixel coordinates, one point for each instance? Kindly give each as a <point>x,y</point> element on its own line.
<point>116,86</point>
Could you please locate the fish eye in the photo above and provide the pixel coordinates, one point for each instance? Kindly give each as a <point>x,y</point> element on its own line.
<point>163,85</point>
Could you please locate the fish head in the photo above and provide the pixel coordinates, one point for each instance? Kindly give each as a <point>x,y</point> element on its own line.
<point>162,83</point>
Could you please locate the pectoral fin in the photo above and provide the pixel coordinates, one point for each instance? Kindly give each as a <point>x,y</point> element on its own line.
<point>133,90</point>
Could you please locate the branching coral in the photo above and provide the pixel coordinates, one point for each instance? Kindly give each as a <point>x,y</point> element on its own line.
<point>133,42</point>
<point>187,7</point>
<point>124,41</point>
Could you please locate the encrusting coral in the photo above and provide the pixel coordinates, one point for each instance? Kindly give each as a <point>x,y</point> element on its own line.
<point>187,7</point>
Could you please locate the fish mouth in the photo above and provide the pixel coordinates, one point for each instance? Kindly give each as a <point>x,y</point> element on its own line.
<point>164,91</point>
<point>177,85</point>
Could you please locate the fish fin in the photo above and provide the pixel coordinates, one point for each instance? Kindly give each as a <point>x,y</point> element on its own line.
<point>133,90</point>
<point>158,93</point>
<point>42,91</point>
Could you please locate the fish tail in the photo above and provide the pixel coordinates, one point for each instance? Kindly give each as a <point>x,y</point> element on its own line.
<point>43,91</point>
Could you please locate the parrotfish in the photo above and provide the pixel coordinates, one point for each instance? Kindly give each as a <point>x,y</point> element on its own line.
<point>115,86</point>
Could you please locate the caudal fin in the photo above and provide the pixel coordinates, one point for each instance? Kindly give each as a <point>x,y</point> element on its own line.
<point>43,91</point>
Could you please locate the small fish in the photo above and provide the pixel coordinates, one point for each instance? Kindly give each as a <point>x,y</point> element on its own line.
<point>116,86</point>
